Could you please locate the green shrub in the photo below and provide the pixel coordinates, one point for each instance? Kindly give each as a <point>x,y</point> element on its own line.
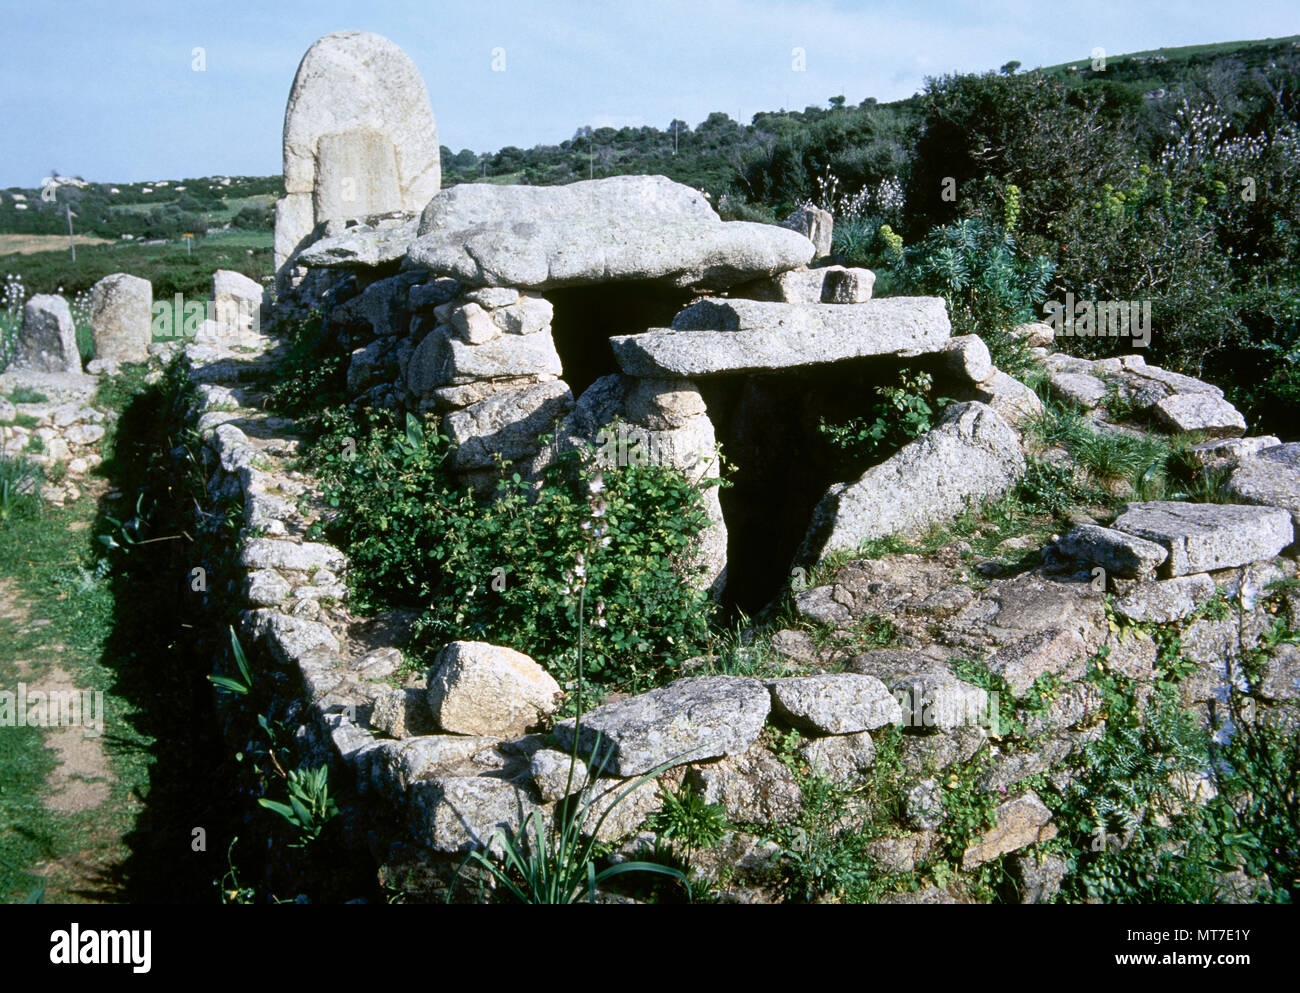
<point>510,569</point>
<point>989,283</point>
<point>900,414</point>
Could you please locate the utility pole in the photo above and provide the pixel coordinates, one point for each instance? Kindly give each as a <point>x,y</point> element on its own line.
<point>72,245</point>
<point>674,136</point>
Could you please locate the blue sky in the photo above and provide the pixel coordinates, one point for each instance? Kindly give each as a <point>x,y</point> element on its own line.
<point>106,90</point>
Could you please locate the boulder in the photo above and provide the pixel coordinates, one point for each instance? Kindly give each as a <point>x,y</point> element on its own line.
<point>1200,412</point>
<point>736,336</point>
<point>237,301</point>
<point>121,317</point>
<point>1020,822</point>
<point>47,341</point>
<point>967,357</point>
<point>1205,536</point>
<point>460,814</point>
<point>624,228</point>
<point>972,454</point>
<point>816,225</point>
<point>557,774</point>
<point>829,284</point>
<point>506,425</point>
<point>1118,553</point>
<point>377,241</point>
<point>1268,482</point>
<point>689,720</point>
<point>834,703</point>
<point>1080,389</point>
<point>481,689</point>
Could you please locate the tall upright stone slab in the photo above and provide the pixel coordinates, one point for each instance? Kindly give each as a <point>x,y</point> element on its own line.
<point>121,313</point>
<point>359,138</point>
<point>48,339</point>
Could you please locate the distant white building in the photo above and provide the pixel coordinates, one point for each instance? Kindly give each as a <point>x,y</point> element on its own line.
<point>20,206</point>
<point>19,197</point>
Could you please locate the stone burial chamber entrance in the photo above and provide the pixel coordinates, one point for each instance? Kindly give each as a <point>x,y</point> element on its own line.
<point>523,312</point>
<point>586,317</point>
<point>780,462</point>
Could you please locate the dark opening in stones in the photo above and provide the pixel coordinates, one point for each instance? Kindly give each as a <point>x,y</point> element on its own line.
<point>587,316</point>
<point>782,464</point>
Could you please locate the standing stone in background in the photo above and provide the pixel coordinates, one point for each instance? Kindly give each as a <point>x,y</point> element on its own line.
<point>236,301</point>
<point>814,224</point>
<point>48,339</point>
<point>359,138</point>
<point>120,317</point>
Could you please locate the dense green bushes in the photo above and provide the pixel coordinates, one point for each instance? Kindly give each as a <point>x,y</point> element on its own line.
<point>527,568</point>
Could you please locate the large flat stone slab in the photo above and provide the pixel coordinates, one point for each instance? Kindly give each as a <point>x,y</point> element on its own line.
<point>689,720</point>
<point>1201,537</point>
<point>972,454</point>
<point>1201,412</point>
<point>738,336</point>
<point>603,230</point>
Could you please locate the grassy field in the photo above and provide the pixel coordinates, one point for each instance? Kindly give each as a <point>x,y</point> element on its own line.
<point>30,244</point>
<point>167,266</point>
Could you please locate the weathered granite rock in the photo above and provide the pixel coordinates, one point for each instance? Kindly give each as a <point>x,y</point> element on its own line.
<point>753,787</point>
<point>829,284</point>
<point>1056,651</point>
<point>1035,334</point>
<point>121,317</point>
<point>923,805</point>
<point>1015,402</point>
<point>1080,389</point>
<point>477,688</point>
<point>47,341</point>
<point>971,454</point>
<point>617,229</point>
<point>402,713</point>
<point>557,774</point>
<point>1022,821</point>
<point>847,285</point>
<point>1038,877</point>
<point>237,301</point>
<point>938,700</point>
<point>617,807</point>
<point>717,336</point>
<point>842,758</point>
<point>1280,680</point>
<point>461,814</point>
<point>689,720</point>
<point>306,556</point>
<point>506,425</point>
<point>359,137</point>
<point>378,240</point>
<point>1267,482</point>
<point>403,763</point>
<point>1200,412</point>
<point>1119,553</point>
<point>1166,601</point>
<point>816,225</point>
<point>834,703</point>
<point>1205,536</point>
<point>1234,449</point>
<point>967,357</point>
